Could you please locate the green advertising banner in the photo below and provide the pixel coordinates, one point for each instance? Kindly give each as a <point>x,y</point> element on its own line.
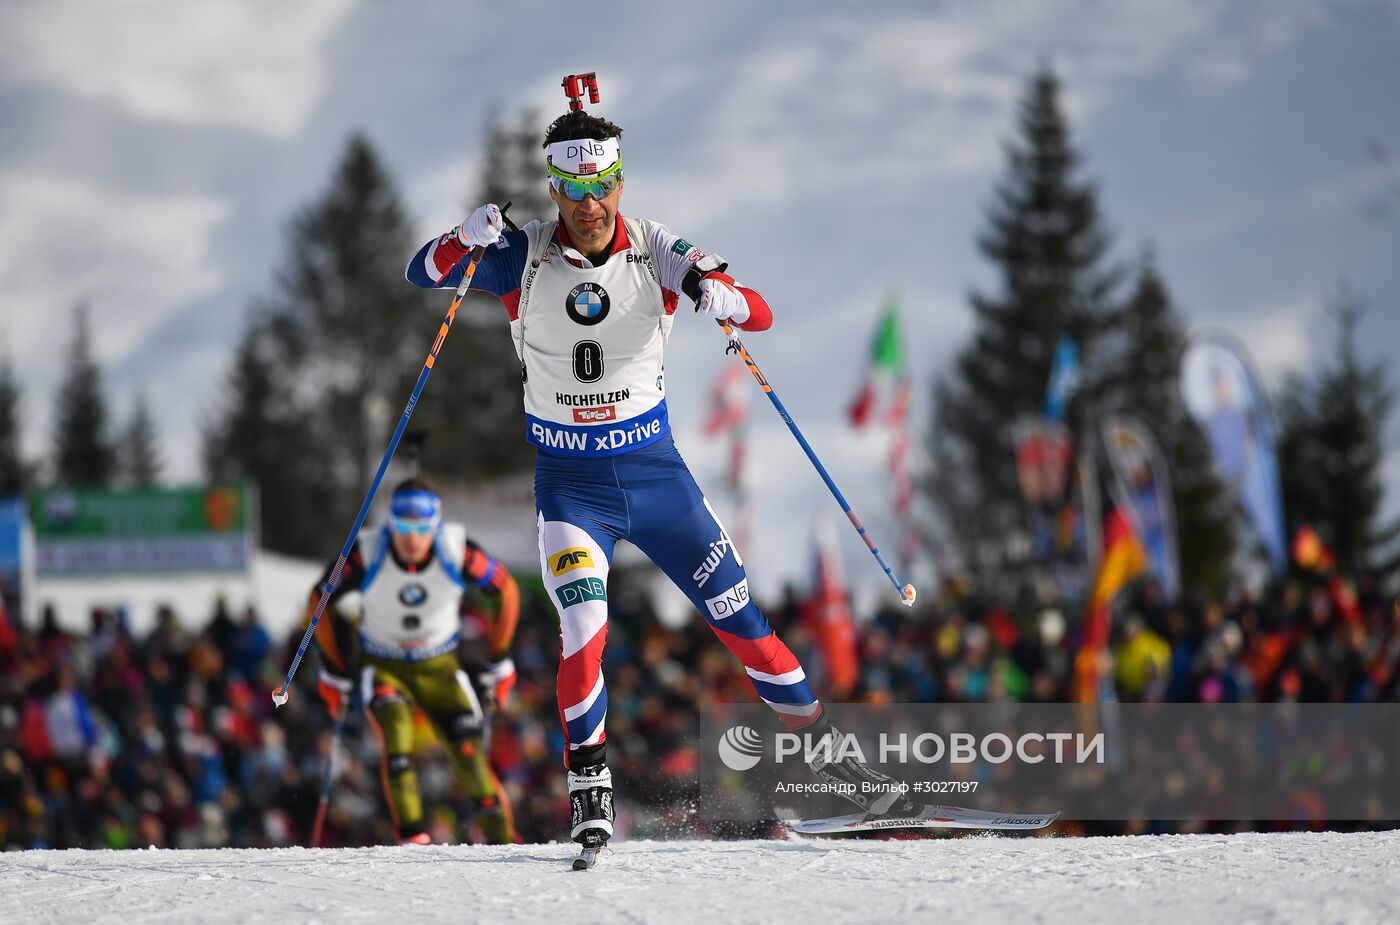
<point>99,531</point>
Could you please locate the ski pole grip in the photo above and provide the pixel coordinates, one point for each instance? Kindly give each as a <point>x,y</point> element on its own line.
<point>506,218</point>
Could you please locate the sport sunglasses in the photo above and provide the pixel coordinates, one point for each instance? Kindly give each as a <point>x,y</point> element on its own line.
<point>415,527</point>
<point>599,187</point>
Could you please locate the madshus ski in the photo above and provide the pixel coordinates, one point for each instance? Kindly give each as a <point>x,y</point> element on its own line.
<point>928,817</point>
<point>588,857</point>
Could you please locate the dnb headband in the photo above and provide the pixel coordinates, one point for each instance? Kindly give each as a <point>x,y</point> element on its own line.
<point>584,157</point>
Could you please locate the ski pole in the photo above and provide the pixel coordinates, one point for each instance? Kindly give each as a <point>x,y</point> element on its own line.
<point>328,776</point>
<point>279,696</point>
<point>906,591</point>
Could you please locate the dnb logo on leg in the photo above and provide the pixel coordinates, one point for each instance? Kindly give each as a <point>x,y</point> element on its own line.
<point>585,589</point>
<point>730,602</point>
<point>572,558</point>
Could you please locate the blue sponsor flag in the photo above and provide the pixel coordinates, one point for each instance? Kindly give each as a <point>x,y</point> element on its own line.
<point>1224,397</point>
<point>1064,378</point>
<point>1142,488</point>
<point>12,512</point>
<point>12,515</point>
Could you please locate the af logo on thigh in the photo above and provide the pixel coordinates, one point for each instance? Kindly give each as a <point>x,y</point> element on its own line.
<point>574,557</point>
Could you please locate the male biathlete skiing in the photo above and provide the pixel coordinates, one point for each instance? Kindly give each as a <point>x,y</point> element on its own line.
<point>591,298</point>
<point>411,574</point>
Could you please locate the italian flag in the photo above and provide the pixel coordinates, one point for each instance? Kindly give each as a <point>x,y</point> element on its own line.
<point>885,366</point>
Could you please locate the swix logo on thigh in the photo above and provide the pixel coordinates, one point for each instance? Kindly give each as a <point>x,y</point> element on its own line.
<point>570,559</point>
<point>718,550</point>
<point>594,415</point>
<point>730,602</point>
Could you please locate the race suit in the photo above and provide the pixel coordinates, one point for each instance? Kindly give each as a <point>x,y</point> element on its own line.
<point>590,337</point>
<point>402,642</point>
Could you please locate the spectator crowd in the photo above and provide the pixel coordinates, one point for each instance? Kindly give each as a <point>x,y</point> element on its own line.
<point>108,740</point>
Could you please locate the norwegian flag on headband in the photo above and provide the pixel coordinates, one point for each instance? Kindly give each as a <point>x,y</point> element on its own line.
<point>588,168</point>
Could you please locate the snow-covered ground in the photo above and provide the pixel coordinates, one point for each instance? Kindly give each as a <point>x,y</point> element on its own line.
<point>1195,879</point>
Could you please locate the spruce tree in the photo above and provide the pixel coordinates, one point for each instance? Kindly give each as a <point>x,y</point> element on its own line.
<point>137,451</point>
<point>474,415</point>
<point>1142,379</point>
<point>513,170</point>
<point>1046,239</point>
<point>346,327</point>
<point>258,436</point>
<point>14,472</point>
<point>1331,446</point>
<point>83,452</point>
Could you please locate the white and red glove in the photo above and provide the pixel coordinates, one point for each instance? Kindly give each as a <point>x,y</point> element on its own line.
<point>483,228</point>
<point>721,299</point>
<point>502,677</point>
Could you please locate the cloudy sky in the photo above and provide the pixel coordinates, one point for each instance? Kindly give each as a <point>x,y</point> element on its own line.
<point>154,150</point>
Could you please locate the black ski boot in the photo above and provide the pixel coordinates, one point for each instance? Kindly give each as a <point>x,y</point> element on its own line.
<point>591,812</point>
<point>875,793</point>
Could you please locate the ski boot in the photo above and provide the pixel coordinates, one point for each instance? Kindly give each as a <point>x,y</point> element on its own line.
<point>591,812</point>
<point>875,793</point>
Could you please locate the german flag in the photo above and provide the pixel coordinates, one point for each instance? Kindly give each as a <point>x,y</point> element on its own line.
<point>1124,558</point>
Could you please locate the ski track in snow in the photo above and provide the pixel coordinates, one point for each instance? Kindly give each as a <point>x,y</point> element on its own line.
<point>1200,879</point>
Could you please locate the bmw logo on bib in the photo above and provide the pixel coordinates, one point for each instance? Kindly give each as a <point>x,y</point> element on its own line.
<point>413,595</point>
<point>587,303</point>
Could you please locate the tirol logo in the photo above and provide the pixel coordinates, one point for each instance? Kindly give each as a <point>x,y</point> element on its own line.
<point>413,595</point>
<point>740,748</point>
<point>595,415</point>
<point>587,303</point>
<point>570,559</point>
<point>585,589</point>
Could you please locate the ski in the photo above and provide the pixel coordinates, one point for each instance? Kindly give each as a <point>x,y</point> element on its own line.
<point>588,857</point>
<point>928,817</point>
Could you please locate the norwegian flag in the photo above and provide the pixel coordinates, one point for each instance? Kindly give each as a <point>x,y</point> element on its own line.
<point>729,400</point>
<point>901,472</point>
<point>588,168</point>
<point>729,407</point>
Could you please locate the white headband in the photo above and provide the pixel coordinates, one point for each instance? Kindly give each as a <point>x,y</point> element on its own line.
<point>583,157</point>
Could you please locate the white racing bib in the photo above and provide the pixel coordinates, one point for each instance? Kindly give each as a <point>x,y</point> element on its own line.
<point>591,342</point>
<point>411,616</point>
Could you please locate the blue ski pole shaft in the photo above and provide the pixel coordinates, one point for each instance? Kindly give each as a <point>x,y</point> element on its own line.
<point>279,696</point>
<point>906,591</point>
